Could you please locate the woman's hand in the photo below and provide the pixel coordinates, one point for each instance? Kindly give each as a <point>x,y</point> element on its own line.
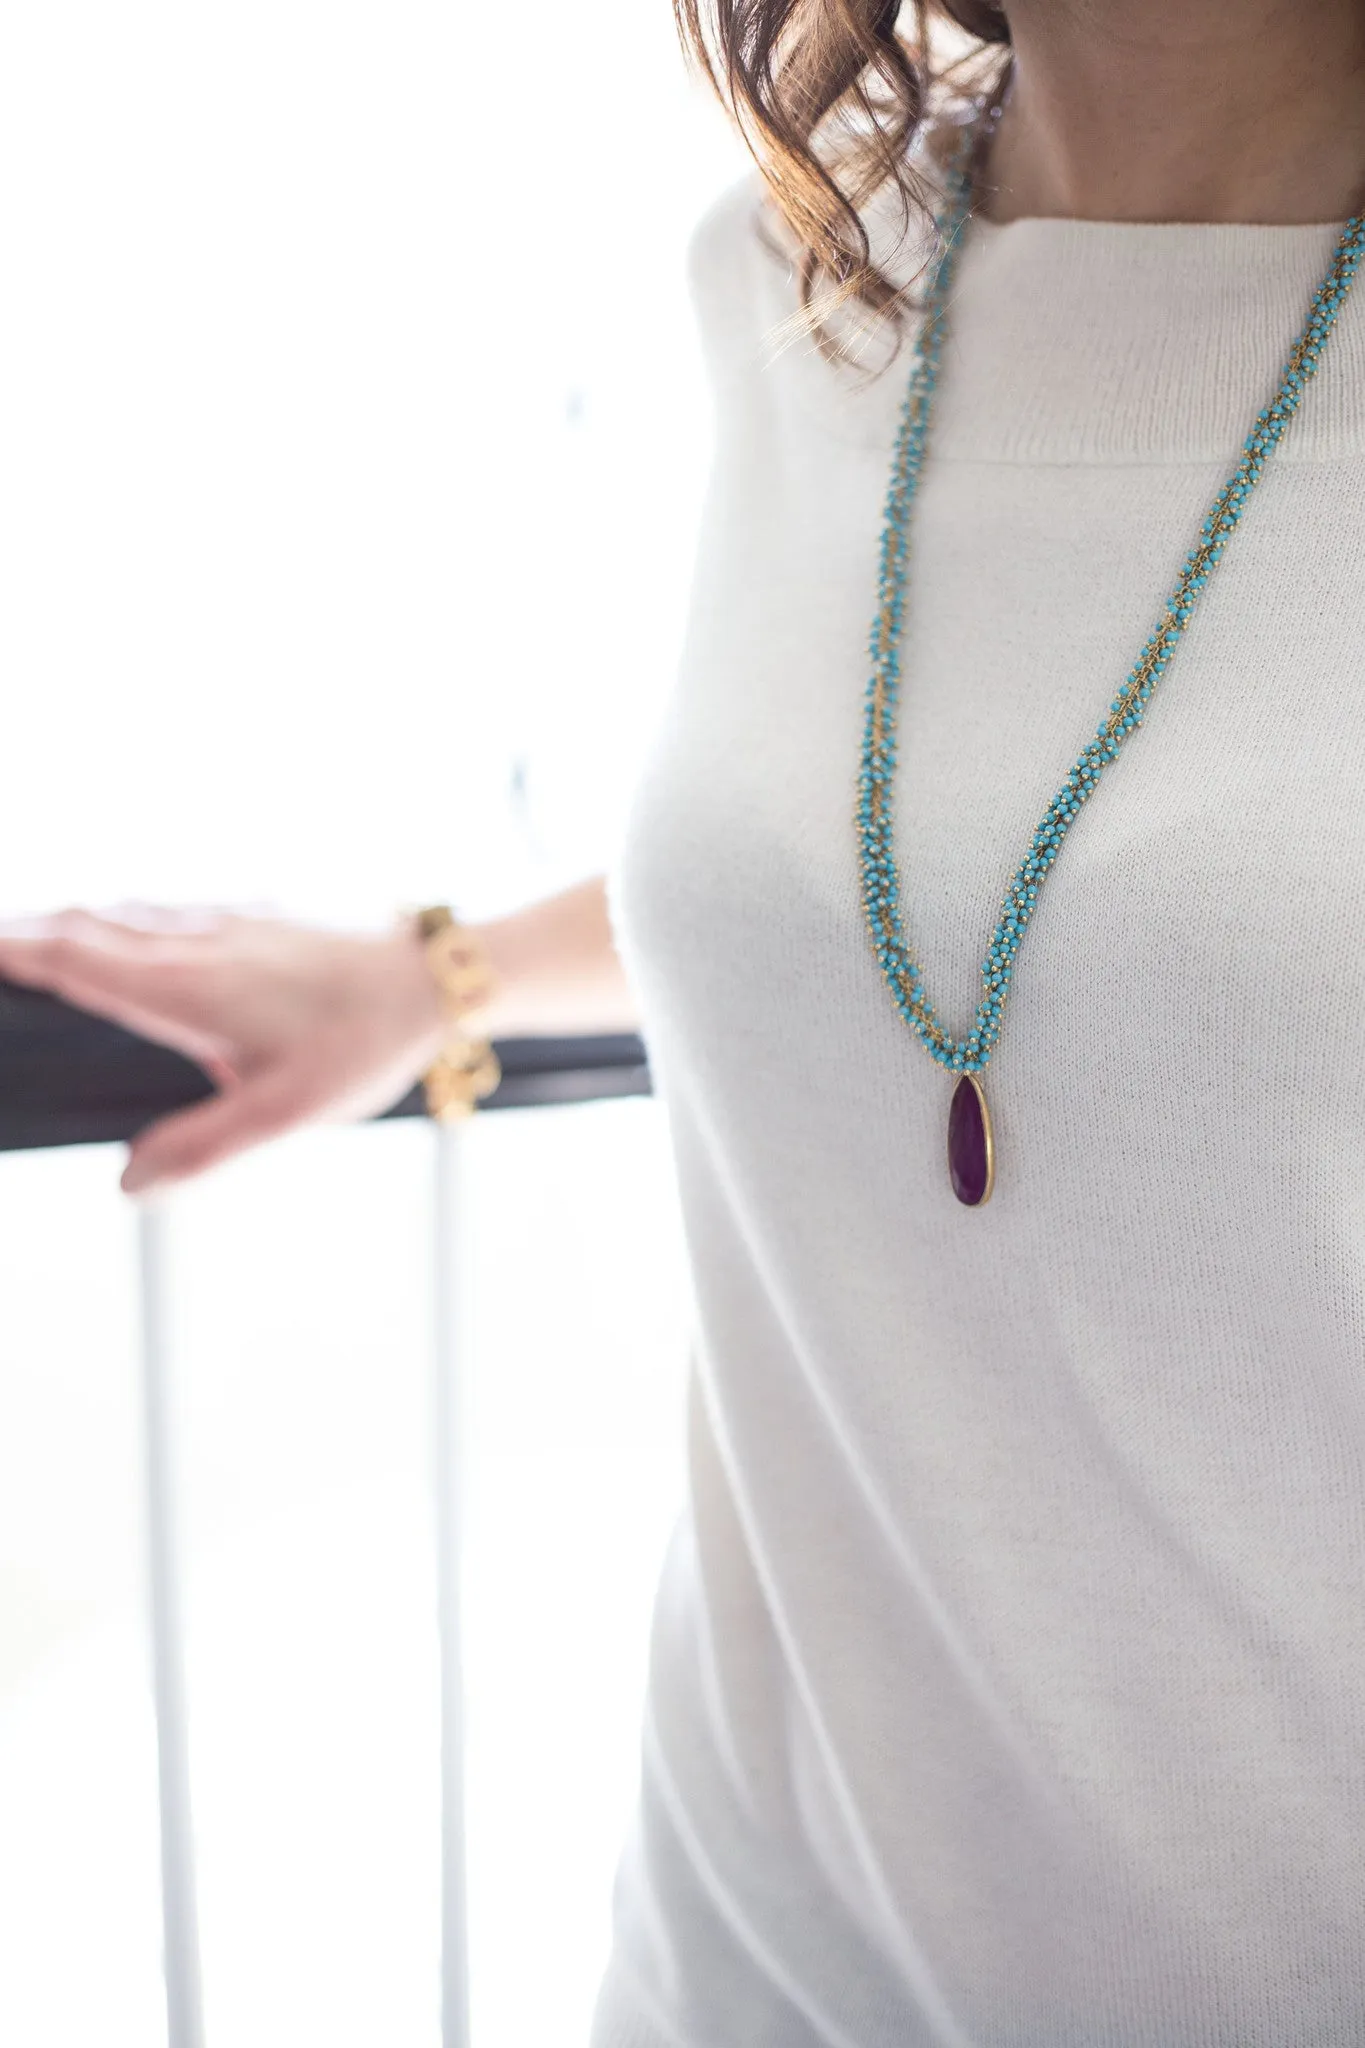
<point>290,1023</point>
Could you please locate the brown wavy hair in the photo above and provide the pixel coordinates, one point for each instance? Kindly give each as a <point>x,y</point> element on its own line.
<point>828,96</point>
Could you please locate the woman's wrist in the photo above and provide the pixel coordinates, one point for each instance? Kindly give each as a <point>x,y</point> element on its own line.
<point>465,1068</point>
<point>417,994</point>
<point>509,1005</point>
<point>414,992</point>
<point>551,970</point>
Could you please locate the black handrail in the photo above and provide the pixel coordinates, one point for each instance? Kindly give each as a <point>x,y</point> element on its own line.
<point>67,1078</point>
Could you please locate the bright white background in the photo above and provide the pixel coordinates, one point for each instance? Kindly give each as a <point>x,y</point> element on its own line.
<point>351,436</point>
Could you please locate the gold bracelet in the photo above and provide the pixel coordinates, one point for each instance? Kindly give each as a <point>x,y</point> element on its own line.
<point>467,1069</point>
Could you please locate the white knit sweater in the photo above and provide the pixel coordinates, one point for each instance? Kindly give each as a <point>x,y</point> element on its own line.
<point>1009,1675</point>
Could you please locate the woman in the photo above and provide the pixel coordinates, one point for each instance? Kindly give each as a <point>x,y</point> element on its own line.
<point>1008,1684</point>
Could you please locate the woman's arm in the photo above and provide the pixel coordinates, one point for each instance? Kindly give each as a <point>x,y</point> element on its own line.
<point>295,1025</point>
<point>557,968</point>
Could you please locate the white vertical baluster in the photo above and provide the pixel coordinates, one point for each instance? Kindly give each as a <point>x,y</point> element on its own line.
<point>180,1919</point>
<point>449,1448</point>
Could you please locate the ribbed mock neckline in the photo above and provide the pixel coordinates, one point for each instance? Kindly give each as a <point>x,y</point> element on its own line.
<point>1096,341</point>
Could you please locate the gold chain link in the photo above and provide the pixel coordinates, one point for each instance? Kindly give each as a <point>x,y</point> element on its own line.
<point>467,1069</point>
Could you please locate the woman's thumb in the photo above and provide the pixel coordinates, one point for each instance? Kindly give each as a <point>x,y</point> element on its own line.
<point>180,1146</point>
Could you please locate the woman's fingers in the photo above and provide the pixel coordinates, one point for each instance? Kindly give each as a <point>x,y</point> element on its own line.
<point>194,1139</point>
<point>291,1023</point>
<point>161,986</point>
<point>171,920</point>
<point>136,932</point>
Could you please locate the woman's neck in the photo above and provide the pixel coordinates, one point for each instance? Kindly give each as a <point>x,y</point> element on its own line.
<point>1182,110</point>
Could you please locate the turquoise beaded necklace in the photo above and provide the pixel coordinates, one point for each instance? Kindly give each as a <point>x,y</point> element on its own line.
<point>971,1143</point>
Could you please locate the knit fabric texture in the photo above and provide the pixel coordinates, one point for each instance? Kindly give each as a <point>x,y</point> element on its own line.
<point>1008,1682</point>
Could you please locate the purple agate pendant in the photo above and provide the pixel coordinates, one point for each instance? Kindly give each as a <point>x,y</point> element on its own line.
<point>971,1144</point>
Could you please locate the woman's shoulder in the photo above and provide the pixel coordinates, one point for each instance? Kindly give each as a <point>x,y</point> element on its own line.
<point>728,222</point>
<point>744,275</point>
<point>741,278</point>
